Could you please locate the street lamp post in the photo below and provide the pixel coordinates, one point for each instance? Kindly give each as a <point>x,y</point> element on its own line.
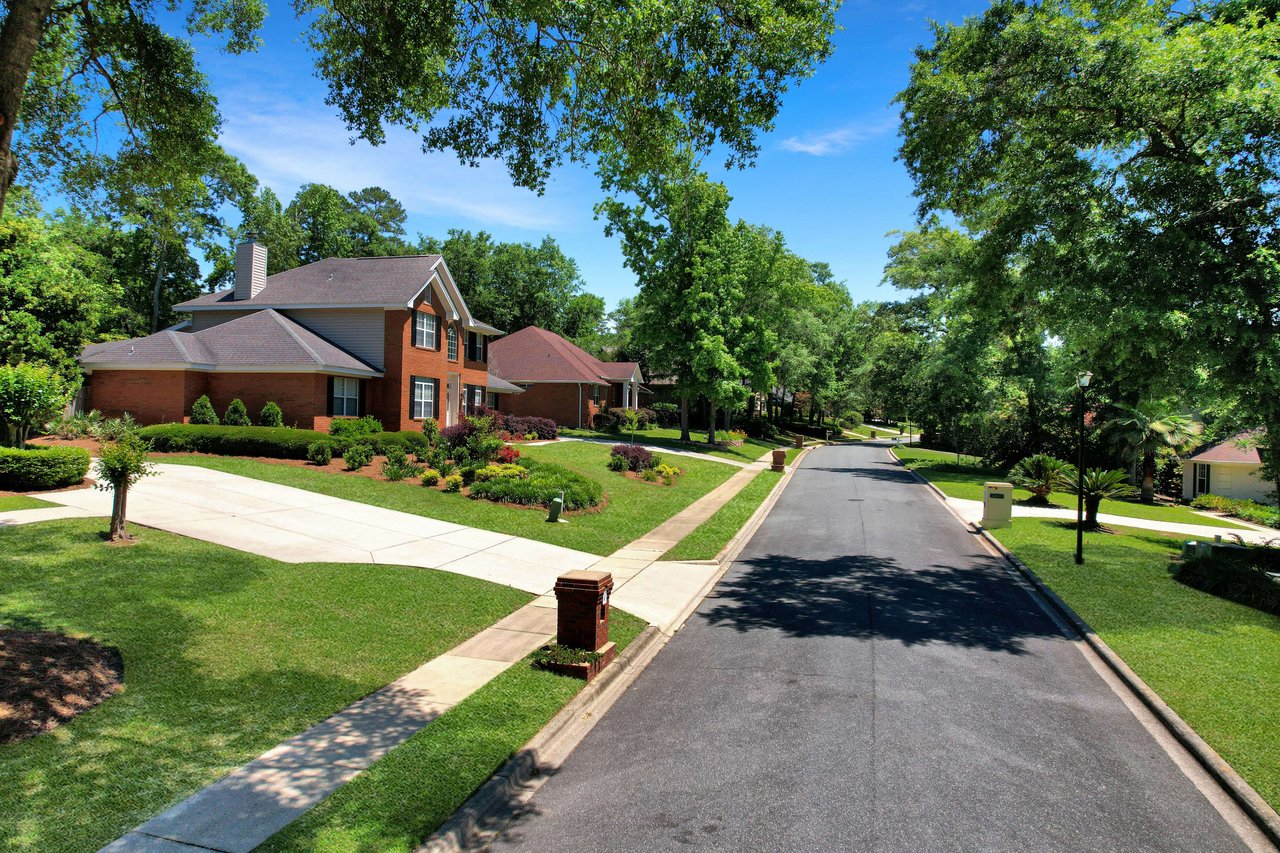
<point>1082,382</point>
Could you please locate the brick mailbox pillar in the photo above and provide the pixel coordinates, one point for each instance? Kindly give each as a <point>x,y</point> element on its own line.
<point>799,441</point>
<point>779,460</point>
<point>582,616</point>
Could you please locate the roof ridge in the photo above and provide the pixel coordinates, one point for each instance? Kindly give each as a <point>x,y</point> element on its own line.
<point>280,319</point>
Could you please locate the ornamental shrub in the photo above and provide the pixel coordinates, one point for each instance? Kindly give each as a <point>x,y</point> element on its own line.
<point>508,470</point>
<point>271,415</point>
<point>76,426</point>
<point>668,414</point>
<point>114,429</point>
<point>544,482</point>
<point>617,463</point>
<point>357,456</point>
<point>638,458</point>
<point>29,396</point>
<point>650,475</point>
<point>237,414</point>
<point>457,435</point>
<point>42,468</point>
<point>355,427</point>
<point>320,452</point>
<point>1040,475</point>
<point>668,473</point>
<point>272,442</point>
<point>430,477</point>
<point>507,455</point>
<point>431,432</point>
<point>397,465</point>
<point>543,429</point>
<point>202,412</point>
<point>483,448</point>
<point>453,483</point>
<point>1240,575</point>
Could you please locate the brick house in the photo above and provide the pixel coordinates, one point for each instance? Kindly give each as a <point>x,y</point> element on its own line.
<point>561,381</point>
<point>343,337</point>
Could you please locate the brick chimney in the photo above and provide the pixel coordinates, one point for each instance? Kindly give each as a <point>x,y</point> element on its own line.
<point>251,268</point>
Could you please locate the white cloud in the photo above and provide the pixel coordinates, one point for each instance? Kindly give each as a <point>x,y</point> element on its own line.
<point>286,143</point>
<point>840,139</point>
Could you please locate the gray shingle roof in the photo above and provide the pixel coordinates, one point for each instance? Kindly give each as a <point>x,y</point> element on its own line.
<point>262,339</point>
<point>499,385</point>
<point>333,281</point>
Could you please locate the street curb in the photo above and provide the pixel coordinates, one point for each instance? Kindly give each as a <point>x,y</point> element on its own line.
<point>1241,792</point>
<point>498,802</point>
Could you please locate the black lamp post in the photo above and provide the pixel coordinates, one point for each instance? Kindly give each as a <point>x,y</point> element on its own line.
<point>1082,381</point>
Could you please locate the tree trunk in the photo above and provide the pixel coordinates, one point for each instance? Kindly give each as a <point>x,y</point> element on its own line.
<point>119,496</point>
<point>1148,478</point>
<point>155,288</point>
<point>684,418</point>
<point>711,423</point>
<point>1091,505</point>
<point>19,39</point>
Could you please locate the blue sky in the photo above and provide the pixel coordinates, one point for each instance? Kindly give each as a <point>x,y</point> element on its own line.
<point>826,176</point>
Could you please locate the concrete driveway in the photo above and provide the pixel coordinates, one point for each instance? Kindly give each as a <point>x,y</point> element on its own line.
<point>867,677</point>
<point>297,526</point>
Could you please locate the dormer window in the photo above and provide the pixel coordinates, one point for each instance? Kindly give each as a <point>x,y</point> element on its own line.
<point>453,343</point>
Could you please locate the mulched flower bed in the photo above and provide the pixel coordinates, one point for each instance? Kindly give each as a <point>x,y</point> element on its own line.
<point>48,678</point>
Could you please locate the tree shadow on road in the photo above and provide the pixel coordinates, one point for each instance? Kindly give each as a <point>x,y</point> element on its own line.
<point>978,605</point>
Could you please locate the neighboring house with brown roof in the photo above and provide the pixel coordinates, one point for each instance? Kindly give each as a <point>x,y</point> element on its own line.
<point>342,337</point>
<point>561,381</point>
<point>1230,468</point>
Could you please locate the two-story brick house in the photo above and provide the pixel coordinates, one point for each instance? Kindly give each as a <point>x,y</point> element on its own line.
<point>390,337</point>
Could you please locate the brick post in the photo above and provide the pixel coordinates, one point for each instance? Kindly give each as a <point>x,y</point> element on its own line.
<point>582,609</point>
<point>779,460</point>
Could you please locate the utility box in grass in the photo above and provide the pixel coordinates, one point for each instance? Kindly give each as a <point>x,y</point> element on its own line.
<point>997,505</point>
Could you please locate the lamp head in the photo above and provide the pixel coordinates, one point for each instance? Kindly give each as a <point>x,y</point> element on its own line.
<point>1083,379</point>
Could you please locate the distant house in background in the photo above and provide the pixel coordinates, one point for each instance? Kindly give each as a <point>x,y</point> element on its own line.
<point>1226,469</point>
<point>562,381</point>
<point>342,337</point>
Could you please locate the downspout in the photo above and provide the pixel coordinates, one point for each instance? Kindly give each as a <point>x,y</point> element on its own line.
<point>579,405</point>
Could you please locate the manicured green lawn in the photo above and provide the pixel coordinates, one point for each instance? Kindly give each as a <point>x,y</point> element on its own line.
<point>633,508</point>
<point>403,798</point>
<point>966,483</point>
<point>710,537</point>
<point>1213,661</point>
<point>225,655</point>
<point>751,449</point>
<point>10,503</point>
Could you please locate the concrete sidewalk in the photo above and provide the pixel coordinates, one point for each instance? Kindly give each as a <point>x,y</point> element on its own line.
<point>971,511</point>
<point>14,517</point>
<point>657,448</point>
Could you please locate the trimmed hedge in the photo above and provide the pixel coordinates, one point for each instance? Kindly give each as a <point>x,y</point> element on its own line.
<point>1239,576</point>
<point>271,442</point>
<point>1247,510</point>
<point>540,488</point>
<point>42,468</point>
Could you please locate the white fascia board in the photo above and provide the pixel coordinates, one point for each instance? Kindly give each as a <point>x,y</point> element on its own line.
<point>291,306</point>
<point>441,269</point>
<point>233,368</point>
<point>552,382</point>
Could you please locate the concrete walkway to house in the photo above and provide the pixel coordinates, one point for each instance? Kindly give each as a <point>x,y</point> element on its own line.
<point>972,511</point>
<point>245,808</point>
<point>12,517</point>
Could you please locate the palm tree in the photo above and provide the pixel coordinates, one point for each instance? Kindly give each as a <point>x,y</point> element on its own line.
<point>1099,485</point>
<point>1040,475</point>
<point>1146,429</point>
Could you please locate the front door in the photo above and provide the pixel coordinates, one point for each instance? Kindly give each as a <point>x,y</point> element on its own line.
<point>452,400</point>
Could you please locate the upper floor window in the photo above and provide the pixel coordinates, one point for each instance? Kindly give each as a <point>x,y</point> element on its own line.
<point>425,331</point>
<point>475,346</point>
<point>345,397</point>
<point>453,343</point>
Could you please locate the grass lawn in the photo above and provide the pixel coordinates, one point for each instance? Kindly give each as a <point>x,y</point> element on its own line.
<point>1212,660</point>
<point>225,654</point>
<point>634,508</point>
<point>9,503</point>
<point>710,537</point>
<point>751,449</point>
<point>967,485</point>
<point>403,798</point>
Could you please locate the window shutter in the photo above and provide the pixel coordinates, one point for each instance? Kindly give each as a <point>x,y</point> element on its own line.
<point>438,331</point>
<point>484,348</point>
<point>435,398</point>
<point>360,398</point>
<point>329,408</point>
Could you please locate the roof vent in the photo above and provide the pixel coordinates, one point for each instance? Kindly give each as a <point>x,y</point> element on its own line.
<point>251,268</point>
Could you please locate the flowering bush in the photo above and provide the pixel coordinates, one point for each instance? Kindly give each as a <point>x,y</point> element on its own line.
<point>507,455</point>
<point>732,438</point>
<point>638,458</point>
<point>430,477</point>
<point>453,483</point>
<point>500,471</point>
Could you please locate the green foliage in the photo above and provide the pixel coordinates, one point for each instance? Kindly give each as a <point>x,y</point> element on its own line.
<point>202,412</point>
<point>507,470</point>
<point>355,427</point>
<point>29,396</point>
<point>271,415</point>
<point>430,477</point>
<point>617,463</point>
<point>431,432</point>
<point>453,483</point>
<point>237,415</point>
<point>1236,575</point>
<point>1246,510</point>
<point>42,468</point>
<point>357,456</point>
<point>122,463</point>
<point>397,466</point>
<point>1040,475</point>
<point>320,452</point>
<point>668,473</point>
<point>79,425</point>
<point>1148,429</point>
<point>50,302</point>
<point>540,487</point>
<point>114,429</point>
<point>1096,486</point>
<point>538,84</point>
<point>555,653</point>
<point>273,442</point>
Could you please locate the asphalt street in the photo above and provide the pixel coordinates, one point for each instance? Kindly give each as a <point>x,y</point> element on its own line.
<point>867,677</point>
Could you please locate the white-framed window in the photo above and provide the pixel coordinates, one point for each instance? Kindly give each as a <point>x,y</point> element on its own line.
<point>424,398</point>
<point>424,329</point>
<point>1203,483</point>
<point>491,400</point>
<point>595,394</point>
<point>453,342</point>
<point>346,396</point>
<point>475,346</point>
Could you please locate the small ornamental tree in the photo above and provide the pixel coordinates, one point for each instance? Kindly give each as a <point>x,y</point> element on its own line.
<point>237,414</point>
<point>30,395</point>
<point>271,415</point>
<point>202,412</point>
<point>120,465</point>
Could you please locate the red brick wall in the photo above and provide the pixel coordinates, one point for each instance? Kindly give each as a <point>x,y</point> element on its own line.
<point>149,396</point>
<point>390,398</point>
<point>556,400</point>
<point>303,397</point>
